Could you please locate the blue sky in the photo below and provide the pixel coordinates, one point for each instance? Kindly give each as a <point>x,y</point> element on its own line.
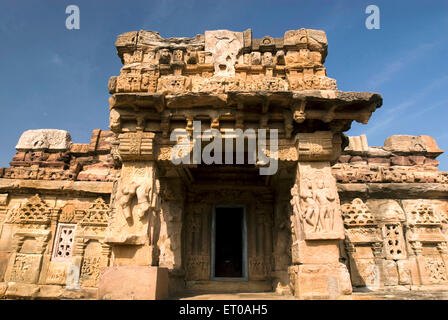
<point>52,77</point>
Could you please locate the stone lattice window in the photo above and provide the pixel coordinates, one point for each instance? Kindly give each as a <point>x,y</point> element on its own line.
<point>64,242</point>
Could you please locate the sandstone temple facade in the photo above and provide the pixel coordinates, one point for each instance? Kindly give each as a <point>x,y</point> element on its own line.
<point>116,218</point>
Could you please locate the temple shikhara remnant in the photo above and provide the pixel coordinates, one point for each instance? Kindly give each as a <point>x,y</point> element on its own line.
<point>117,219</point>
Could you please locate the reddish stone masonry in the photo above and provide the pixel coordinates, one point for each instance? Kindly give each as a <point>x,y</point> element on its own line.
<point>81,162</point>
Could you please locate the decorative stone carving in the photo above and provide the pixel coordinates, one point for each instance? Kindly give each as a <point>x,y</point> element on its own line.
<point>64,242</point>
<point>316,203</point>
<point>394,242</point>
<point>68,214</point>
<point>57,273</point>
<point>25,268</point>
<point>318,146</point>
<point>34,211</point>
<point>416,144</point>
<point>435,269</point>
<point>136,145</point>
<point>224,46</point>
<point>44,139</point>
<point>357,214</point>
<point>92,263</point>
<point>423,214</point>
<point>198,267</point>
<point>97,215</point>
<point>135,222</point>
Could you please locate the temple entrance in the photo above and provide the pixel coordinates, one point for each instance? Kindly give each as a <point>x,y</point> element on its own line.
<point>229,243</point>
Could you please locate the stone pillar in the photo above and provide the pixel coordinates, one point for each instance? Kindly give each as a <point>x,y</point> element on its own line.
<point>170,235</point>
<point>316,221</point>
<point>134,226</point>
<point>442,247</point>
<point>417,263</point>
<point>281,235</point>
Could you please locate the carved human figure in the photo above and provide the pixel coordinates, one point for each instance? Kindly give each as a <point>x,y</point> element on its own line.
<point>324,198</point>
<point>140,191</point>
<point>313,206</point>
<point>309,212</point>
<point>154,206</point>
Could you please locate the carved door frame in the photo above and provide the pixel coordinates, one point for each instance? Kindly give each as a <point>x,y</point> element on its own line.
<point>245,270</point>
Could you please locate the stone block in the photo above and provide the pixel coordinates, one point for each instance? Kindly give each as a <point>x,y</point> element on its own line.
<point>50,292</point>
<point>345,158</point>
<point>409,144</point>
<point>3,287</point>
<point>390,277</point>
<point>431,162</point>
<point>379,161</point>
<point>400,161</point>
<point>357,159</point>
<point>417,160</point>
<point>133,283</point>
<point>44,139</point>
<point>365,273</point>
<point>22,290</point>
<point>357,144</point>
<point>363,252</point>
<point>3,264</point>
<point>316,252</point>
<point>319,281</point>
<point>84,293</point>
<point>404,272</point>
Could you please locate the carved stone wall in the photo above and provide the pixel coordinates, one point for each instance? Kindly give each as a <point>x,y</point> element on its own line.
<point>395,232</point>
<point>221,61</point>
<point>197,231</point>
<point>371,217</point>
<point>42,243</point>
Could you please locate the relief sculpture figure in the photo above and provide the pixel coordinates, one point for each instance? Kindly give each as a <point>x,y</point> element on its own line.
<point>131,191</point>
<point>313,206</point>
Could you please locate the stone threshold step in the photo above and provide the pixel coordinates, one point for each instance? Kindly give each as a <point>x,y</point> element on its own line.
<point>228,286</point>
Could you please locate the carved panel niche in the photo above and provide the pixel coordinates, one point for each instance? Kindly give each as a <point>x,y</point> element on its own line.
<point>315,203</point>
<point>363,239</point>
<point>260,251</point>
<point>92,262</point>
<point>394,242</point>
<point>197,241</point>
<point>30,240</point>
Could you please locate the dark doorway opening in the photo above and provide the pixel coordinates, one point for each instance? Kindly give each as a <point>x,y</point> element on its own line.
<point>229,242</point>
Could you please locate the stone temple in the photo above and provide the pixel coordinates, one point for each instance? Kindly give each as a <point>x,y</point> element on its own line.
<point>117,219</point>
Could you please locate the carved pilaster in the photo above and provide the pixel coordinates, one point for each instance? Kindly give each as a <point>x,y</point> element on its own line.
<point>315,203</point>
<point>134,224</point>
<point>317,219</point>
<point>136,146</point>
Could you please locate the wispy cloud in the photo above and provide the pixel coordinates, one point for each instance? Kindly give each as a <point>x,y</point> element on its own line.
<point>396,66</point>
<point>56,59</point>
<point>392,113</point>
<point>416,97</point>
<point>428,108</point>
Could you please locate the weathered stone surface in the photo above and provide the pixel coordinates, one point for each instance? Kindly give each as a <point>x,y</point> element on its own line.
<point>416,144</point>
<point>3,287</point>
<point>320,281</point>
<point>404,273</point>
<point>118,204</point>
<point>316,252</point>
<point>386,210</point>
<point>44,139</point>
<point>133,283</point>
<point>395,190</point>
<point>22,290</point>
<point>224,45</point>
<point>390,273</point>
<point>61,186</point>
<point>357,144</point>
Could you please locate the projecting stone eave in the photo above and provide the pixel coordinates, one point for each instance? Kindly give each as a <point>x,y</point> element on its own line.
<point>325,105</point>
